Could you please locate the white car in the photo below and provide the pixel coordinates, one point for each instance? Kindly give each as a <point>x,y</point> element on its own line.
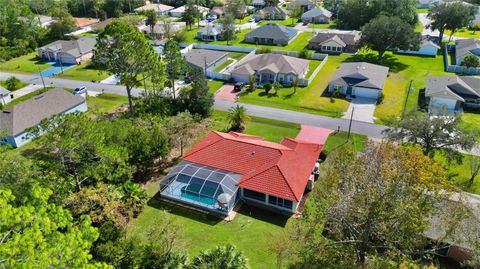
<point>251,20</point>
<point>79,90</point>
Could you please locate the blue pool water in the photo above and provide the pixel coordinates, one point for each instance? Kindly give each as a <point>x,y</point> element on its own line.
<point>201,199</point>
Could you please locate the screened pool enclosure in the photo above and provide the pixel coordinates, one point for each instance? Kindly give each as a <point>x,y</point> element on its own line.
<point>202,186</point>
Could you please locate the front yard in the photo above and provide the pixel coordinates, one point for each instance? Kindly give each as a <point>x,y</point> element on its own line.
<point>26,64</point>
<point>308,99</point>
<point>84,72</point>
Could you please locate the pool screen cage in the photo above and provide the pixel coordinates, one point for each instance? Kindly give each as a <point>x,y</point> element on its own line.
<point>202,186</point>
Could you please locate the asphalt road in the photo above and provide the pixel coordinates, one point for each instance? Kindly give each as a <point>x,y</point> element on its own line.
<point>369,129</point>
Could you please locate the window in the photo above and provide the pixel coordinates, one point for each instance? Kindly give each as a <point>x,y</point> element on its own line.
<point>324,48</point>
<point>273,200</point>
<point>329,48</point>
<point>254,195</point>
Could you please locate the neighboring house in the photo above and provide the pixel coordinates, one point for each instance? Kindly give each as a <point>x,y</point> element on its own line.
<point>269,68</point>
<point>100,26</point>
<point>40,20</point>
<point>428,47</point>
<point>81,23</point>
<point>73,51</point>
<point>161,30</point>
<point>225,169</point>
<point>258,3</point>
<point>178,12</point>
<point>337,42</point>
<point>359,79</point>
<point>205,59</point>
<point>161,9</point>
<point>4,94</point>
<point>217,11</point>
<point>305,4</point>
<point>464,47</point>
<point>212,32</point>
<point>452,92</point>
<point>18,118</point>
<point>428,3</point>
<point>271,34</point>
<point>270,13</point>
<point>317,15</point>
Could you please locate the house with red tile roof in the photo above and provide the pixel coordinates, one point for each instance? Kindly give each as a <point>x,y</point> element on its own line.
<point>224,169</point>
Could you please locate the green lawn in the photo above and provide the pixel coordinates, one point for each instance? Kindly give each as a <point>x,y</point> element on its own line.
<point>26,64</point>
<point>105,103</point>
<point>330,25</point>
<point>465,33</point>
<point>214,85</point>
<point>308,99</point>
<point>287,22</point>
<point>419,27</point>
<point>312,66</point>
<point>84,72</point>
<point>460,173</point>
<point>336,140</point>
<point>223,65</point>
<point>471,120</point>
<point>236,55</point>
<point>244,20</point>
<point>19,84</point>
<point>299,43</point>
<point>422,10</point>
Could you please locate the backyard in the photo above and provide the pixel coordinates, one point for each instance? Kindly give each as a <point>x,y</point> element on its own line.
<point>26,64</point>
<point>252,229</point>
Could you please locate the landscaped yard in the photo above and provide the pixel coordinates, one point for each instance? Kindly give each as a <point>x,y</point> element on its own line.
<point>84,72</point>
<point>223,65</point>
<point>26,64</point>
<point>312,66</point>
<point>330,25</point>
<point>308,99</point>
<point>20,84</point>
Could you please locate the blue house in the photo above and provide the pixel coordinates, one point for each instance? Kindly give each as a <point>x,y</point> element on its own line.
<point>17,119</point>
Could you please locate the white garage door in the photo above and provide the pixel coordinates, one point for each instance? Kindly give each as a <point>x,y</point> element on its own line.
<point>366,93</point>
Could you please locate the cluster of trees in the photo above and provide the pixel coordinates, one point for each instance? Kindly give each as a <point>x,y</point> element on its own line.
<point>450,16</point>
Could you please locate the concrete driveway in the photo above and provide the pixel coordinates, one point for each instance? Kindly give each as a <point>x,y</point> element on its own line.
<point>364,108</point>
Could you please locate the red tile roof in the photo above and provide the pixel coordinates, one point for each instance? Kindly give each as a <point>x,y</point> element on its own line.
<point>277,169</point>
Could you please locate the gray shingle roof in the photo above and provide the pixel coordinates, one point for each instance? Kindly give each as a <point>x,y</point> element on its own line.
<point>361,74</point>
<point>453,87</point>
<point>75,47</point>
<point>211,29</point>
<point>273,30</point>
<point>276,63</point>
<point>27,114</point>
<point>314,12</point>
<point>199,57</point>
<point>351,38</point>
<point>464,47</point>
<point>271,10</point>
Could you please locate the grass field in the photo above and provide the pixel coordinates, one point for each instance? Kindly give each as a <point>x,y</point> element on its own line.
<point>465,33</point>
<point>312,66</point>
<point>330,25</point>
<point>20,84</point>
<point>422,10</point>
<point>214,85</point>
<point>223,65</point>
<point>26,64</point>
<point>84,72</point>
<point>105,103</point>
<point>308,99</point>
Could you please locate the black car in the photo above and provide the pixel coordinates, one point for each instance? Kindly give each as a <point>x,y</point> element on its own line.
<point>239,86</point>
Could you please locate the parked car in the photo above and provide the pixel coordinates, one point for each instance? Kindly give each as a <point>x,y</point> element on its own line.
<point>213,16</point>
<point>238,86</point>
<point>79,90</point>
<point>305,23</point>
<point>251,20</point>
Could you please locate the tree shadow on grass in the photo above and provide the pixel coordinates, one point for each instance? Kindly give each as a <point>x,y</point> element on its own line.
<point>388,60</point>
<point>264,215</point>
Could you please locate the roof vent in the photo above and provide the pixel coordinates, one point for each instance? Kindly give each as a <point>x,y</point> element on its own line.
<point>253,153</point>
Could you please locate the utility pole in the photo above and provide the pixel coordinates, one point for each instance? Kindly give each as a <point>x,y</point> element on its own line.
<point>350,124</point>
<point>43,81</point>
<point>409,89</point>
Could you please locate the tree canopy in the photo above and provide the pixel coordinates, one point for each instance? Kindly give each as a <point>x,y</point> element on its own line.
<point>449,16</point>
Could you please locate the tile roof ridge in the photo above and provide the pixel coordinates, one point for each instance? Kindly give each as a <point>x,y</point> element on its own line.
<point>288,183</point>
<point>192,151</point>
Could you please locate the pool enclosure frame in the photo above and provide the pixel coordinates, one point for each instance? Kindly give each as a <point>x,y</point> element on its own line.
<point>202,186</point>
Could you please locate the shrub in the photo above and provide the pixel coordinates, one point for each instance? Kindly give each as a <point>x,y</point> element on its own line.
<point>263,50</point>
<point>304,54</point>
<point>267,87</point>
<point>380,98</point>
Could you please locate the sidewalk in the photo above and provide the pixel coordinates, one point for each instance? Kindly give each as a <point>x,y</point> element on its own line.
<point>21,92</point>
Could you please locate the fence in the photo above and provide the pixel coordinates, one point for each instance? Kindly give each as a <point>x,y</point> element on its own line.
<point>305,82</point>
<point>454,68</point>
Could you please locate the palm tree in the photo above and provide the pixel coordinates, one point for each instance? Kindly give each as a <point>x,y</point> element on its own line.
<point>226,257</point>
<point>237,117</point>
<point>134,196</point>
<point>151,20</point>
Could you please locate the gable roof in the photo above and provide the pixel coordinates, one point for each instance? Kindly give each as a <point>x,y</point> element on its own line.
<point>75,47</point>
<point>271,10</point>
<point>27,114</point>
<point>453,87</point>
<point>361,74</point>
<point>429,40</point>
<point>318,11</point>
<point>280,169</point>
<point>184,7</point>
<point>273,30</point>
<point>463,47</point>
<point>202,57</point>
<point>211,29</point>
<point>276,63</point>
<point>156,7</point>
<point>350,38</point>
